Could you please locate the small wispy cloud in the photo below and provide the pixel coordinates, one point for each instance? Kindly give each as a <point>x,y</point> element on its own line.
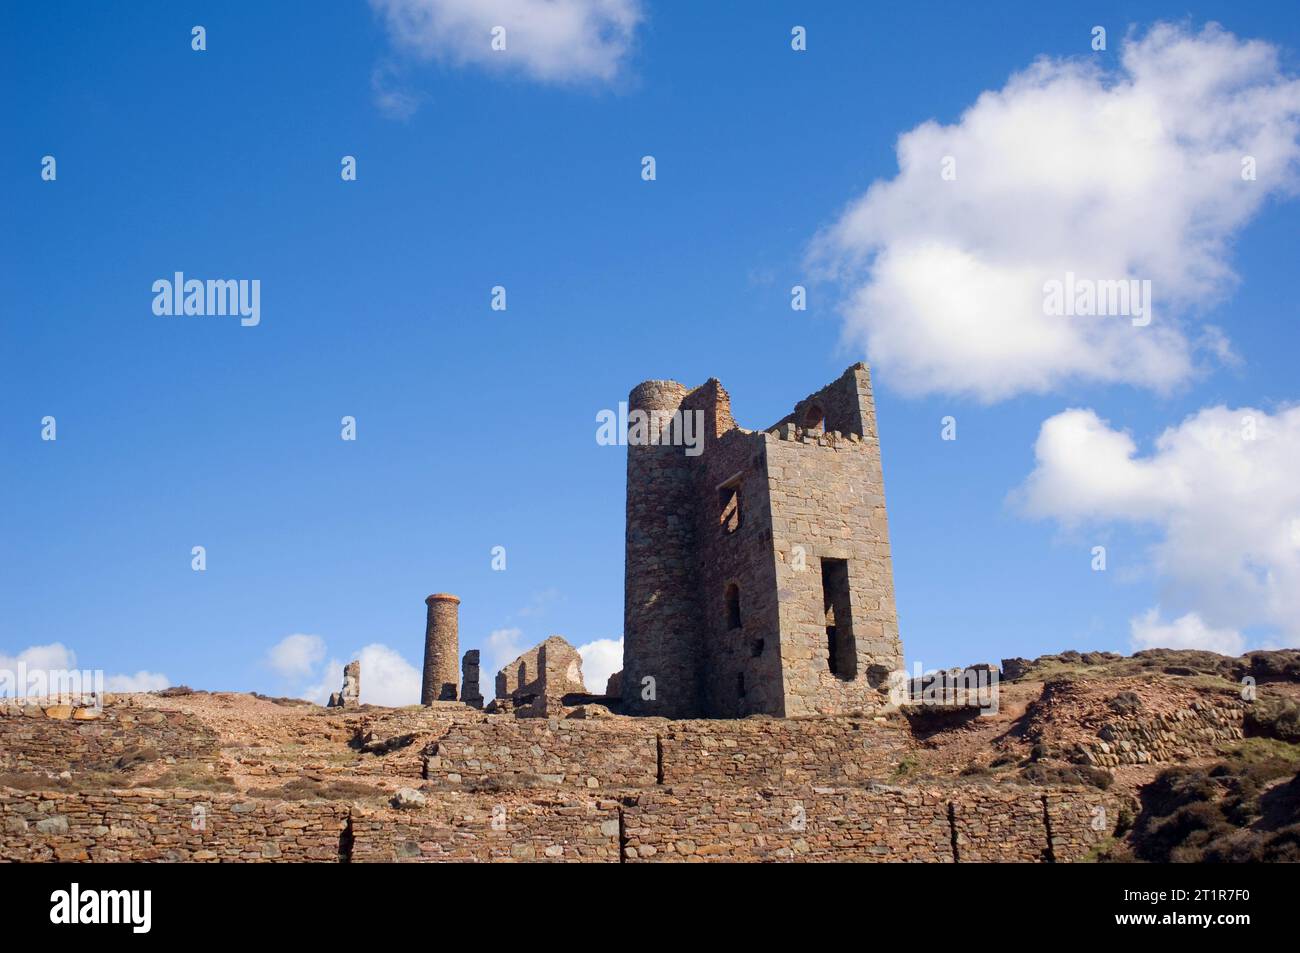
<point>561,42</point>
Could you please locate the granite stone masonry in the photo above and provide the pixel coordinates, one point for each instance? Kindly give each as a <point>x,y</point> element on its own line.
<point>757,574</point>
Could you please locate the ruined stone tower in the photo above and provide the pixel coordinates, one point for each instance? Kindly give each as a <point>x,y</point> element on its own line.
<point>441,649</point>
<point>757,575</point>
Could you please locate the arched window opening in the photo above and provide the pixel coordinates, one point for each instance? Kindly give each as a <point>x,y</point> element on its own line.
<point>733,606</point>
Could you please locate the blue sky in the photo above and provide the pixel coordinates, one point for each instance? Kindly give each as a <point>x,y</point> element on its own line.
<point>475,428</point>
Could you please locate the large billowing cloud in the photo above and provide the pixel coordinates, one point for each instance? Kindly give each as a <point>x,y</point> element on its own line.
<point>553,41</point>
<point>600,659</point>
<point>1221,491</point>
<point>296,655</point>
<point>387,678</point>
<point>1149,631</point>
<point>1131,174</point>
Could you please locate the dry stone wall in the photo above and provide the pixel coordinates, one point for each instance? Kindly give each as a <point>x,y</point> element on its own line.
<point>485,828</point>
<point>148,825</point>
<point>543,752</point>
<point>642,752</point>
<point>1166,736</point>
<point>876,823</point>
<point>57,738</point>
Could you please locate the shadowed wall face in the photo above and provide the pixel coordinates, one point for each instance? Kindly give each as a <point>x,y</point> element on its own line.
<point>661,619</point>
<point>441,649</point>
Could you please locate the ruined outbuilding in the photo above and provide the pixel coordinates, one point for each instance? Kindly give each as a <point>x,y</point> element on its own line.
<point>538,681</point>
<point>758,575</point>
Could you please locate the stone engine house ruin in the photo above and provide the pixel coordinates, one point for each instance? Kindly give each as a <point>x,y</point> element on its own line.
<point>758,575</point>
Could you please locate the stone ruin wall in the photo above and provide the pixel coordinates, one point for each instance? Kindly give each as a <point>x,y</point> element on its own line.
<point>604,754</point>
<point>56,738</point>
<point>741,672</point>
<point>670,823</point>
<point>149,825</point>
<point>828,497</point>
<point>1166,736</point>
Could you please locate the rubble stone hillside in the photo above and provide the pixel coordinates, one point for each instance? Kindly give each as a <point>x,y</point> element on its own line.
<point>1162,755</point>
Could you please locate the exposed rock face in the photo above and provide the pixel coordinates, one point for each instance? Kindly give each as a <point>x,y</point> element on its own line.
<point>350,696</point>
<point>614,687</point>
<point>469,680</point>
<point>535,682</point>
<point>1013,668</point>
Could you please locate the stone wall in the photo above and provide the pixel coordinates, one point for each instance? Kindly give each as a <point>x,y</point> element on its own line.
<point>780,751</point>
<point>392,743</point>
<point>876,823</point>
<point>507,753</point>
<point>642,752</point>
<point>742,664</point>
<point>49,738</point>
<point>1185,733</point>
<point>486,828</point>
<point>709,824</point>
<point>666,823</point>
<point>147,825</point>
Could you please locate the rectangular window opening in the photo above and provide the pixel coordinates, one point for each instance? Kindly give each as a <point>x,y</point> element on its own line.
<point>841,646</point>
<point>729,504</point>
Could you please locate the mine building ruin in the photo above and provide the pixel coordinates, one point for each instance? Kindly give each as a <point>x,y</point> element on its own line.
<point>758,576</point>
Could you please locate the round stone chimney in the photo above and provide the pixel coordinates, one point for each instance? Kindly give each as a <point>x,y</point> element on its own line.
<point>441,649</point>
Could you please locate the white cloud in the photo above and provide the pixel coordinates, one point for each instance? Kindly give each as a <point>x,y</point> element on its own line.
<point>1186,632</point>
<point>1220,489</point>
<point>330,681</point>
<point>393,100</point>
<point>502,646</point>
<point>386,678</point>
<point>554,41</point>
<point>1134,174</point>
<point>600,659</point>
<point>55,656</point>
<point>297,655</point>
<point>541,602</point>
<point>46,664</point>
<point>141,681</point>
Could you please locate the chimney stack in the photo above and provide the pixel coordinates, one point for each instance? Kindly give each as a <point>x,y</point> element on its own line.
<point>441,649</point>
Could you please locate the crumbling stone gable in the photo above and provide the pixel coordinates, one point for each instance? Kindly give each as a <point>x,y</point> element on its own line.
<point>537,681</point>
<point>758,575</point>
